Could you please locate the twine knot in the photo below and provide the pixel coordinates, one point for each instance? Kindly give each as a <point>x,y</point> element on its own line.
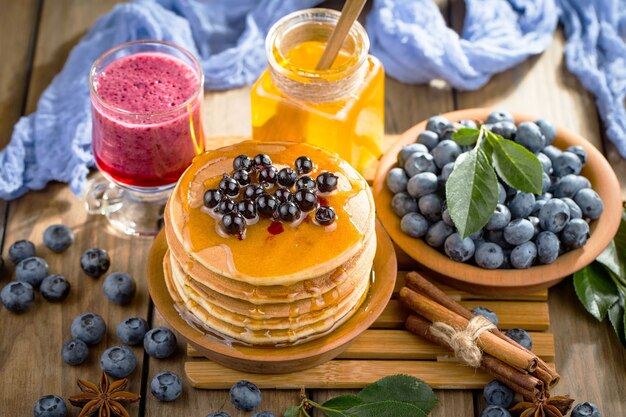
<point>463,342</point>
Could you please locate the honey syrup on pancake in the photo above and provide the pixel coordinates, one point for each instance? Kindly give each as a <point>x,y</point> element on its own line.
<point>299,246</point>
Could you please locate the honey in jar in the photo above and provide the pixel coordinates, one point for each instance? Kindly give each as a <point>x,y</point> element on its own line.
<point>340,109</point>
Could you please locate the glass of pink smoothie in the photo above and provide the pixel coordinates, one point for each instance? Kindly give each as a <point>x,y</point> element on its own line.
<point>146,98</point>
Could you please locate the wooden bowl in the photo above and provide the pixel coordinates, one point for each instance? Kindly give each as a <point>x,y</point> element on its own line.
<point>276,360</point>
<point>475,279</point>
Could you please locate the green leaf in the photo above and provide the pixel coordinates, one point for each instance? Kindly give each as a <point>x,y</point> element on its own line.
<point>465,136</point>
<point>516,165</point>
<point>596,290</point>
<point>343,402</point>
<point>400,388</point>
<point>386,409</point>
<point>614,262</point>
<point>617,317</point>
<point>472,192</point>
<point>293,411</point>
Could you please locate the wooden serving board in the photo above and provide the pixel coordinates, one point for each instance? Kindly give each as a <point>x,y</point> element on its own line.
<point>386,349</point>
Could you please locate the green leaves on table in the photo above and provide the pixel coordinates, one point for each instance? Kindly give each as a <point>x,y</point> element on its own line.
<point>472,188</point>
<point>392,396</point>
<point>601,286</point>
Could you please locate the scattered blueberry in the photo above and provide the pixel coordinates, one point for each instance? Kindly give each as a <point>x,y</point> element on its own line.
<point>55,288</point>
<point>212,198</point>
<point>132,330</point>
<point>50,406</point>
<point>548,246</point>
<point>58,238</point>
<point>428,138</point>
<point>303,165</point>
<point>438,233</point>
<point>487,313</point>
<point>420,162</point>
<point>305,199</point>
<point>327,182</point>
<point>74,352</point>
<point>495,411</point>
<point>229,186</point>
<point>166,386</point>
<point>305,183</point>
<point>268,175</point>
<point>397,180</point>
<point>243,162</point>
<point>247,208</point>
<point>458,249</point>
<point>567,163</point>
<point>287,177</point>
<point>521,336</point>
<point>244,395</point>
<point>325,215</point>
<point>88,327</point>
<point>524,255</point>
<point>496,393</point>
<point>589,202</point>
<point>95,262</point>
<point>489,255</point>
<point>159,343</point>
<point>119,288</point>
<point>241,176</point>
<point>266,205</point>
<point>17,296</point>
<point>118,361</point>
<point>288,211</point>
<point>530,136</point>
<point>554,215</point>
<point>233,223</point>
<point>422,184</point>
<point>500,116</point>
<point>403,203</point>
<point>21,250</point>
<point>253,191</point>
<point>262,160</point>
<point>283,194</point>
<point>32,270</point>
<point>519,231</point>
<point>586,410</point>
<point>226,205</point>
<point>575,234</point>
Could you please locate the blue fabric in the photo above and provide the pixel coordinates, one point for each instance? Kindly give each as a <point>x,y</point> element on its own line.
<point>409,36</point>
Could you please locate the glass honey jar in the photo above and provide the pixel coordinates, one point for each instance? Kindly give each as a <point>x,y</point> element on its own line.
<point>340,109</point>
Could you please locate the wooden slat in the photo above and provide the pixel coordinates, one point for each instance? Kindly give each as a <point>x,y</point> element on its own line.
<point>400,344</point>
<point>345,374</point>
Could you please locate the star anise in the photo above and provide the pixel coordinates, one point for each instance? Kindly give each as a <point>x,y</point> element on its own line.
<point>545,407</point>
<point>106,399</point>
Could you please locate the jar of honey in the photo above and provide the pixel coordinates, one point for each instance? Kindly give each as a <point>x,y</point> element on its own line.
<point>340,109</point>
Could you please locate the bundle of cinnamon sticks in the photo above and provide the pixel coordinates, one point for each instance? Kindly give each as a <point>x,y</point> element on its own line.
<point>503,358</point>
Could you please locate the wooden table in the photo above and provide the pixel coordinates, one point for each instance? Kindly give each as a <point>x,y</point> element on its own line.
<point>35,39</point>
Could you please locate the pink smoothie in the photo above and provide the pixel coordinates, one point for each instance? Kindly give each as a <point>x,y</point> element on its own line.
<point>145,140</point>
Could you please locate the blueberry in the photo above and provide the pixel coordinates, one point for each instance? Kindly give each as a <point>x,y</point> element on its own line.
<point>409,150</point>
<point>262,160</point>
<point>32,270</point>
<point>501,193</point>
<point>218,414</point>
<point>445,216</point>
<point>243,162</point>
<point>552,152</point>
<point>546,163</point>
<point>586,410</point>
<point>578,151</point>
<point>428,138</point>
<point>497,237</point>
<point>303,165</point>
<point>247,206</point>
<point>119,288</point>
<point>487,313</point>
<point>448,130</point>
<point>569,185</point>
<point>166,386</point>
<point>268,175</point>
<point>306,200</point>
<point>229,186</point>
<point>397,180</point>
<point>17,296</point>
<point>544,197</point>
<point>305,183</point>
<point>521,205</point>
<point>477,236</point>
<point>505,129</point>
<point>420,162</point>
<point>431,206</point>
<point>287,177</point>
<point>212,197</point>
<point>521,336</point>
<point>496,393</point>
<point>499,219</point>
<point>58,237</point>
<point>414,225</point>
<point>55,288</point>
<point>524,255</point>
<point>403,203</point>
<point>288,211</point>
<point>500,116</point>
<point>548,246</point>
<point>546,183</point>
<point>325,215</point>
<point>495,411</point>
<point>226,205</point>
<point>242,177</point>
<point>470,124</point>
<point>132,330</point>
<point>446,151</point>
<point>253,191</point>
<point>21,250</point>
<point>88,327</point>
<point>266,205</point>
<point>489,255</point>
<point>537,207</point>
<point>589,202</point>
<point>263,414</point>
<point>74,352</point>
<point>447,170</point>
<point>574,211</point>
<point>535,222</point>
<point>458,249</point>
<point>95,262</point>
<point>554,215</point>
<point>548,130</point>
<point>421,184</point>
<point>567,163</point>
<point>159,343</point>
<point>244,395</point>
<point>118,361</point>
<point>327,182</point>
<point>438,233</point>
<point>50,406</point>
<point>575,234</point>
<point>518,231</point>
<point>530,136</point>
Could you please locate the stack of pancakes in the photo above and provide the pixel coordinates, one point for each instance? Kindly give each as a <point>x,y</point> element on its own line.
<point>281,283</point>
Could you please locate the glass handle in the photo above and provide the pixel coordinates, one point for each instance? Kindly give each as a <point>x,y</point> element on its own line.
<point>102,196</point>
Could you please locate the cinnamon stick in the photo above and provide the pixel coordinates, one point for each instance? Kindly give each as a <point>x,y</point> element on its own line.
<point>418,283</point>
<point>528,386</point>
<point>488,342</point>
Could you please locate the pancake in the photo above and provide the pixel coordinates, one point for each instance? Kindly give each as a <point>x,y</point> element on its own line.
<point>275,283</point>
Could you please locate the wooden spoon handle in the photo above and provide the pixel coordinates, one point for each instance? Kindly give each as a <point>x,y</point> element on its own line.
<point>350,12</point>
